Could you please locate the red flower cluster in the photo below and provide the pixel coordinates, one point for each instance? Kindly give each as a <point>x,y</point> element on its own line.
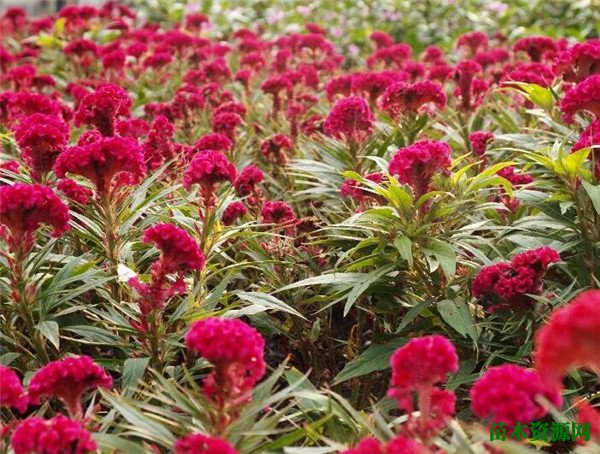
<point>579,62</point>
<point>237,352</point>
<point>208,168</point>
<point>537,47</point>
<point>276,148</point>
<point>158,147</point>
<point>75,191</point>
<point>23,207</point>
<point>103,159</point>
<point>277,212</point>
<point>507,394</point>
<point>203,444</point>
<point>584,96</point>
<point>350,119</point>
<point>233,212</point>
<point>53,436</point>
<point>178,250</point>
<point>68,379</point>
<point>416,164</point>
<point>354,189</point>
<point>480,140</point>
<point>102,108</point>
<point>397,445</point>
<point>517,179</point>
<point>403,98</point>
<point>214,141</point>
<point>590,137</point>
<point>12,393</point>
<point>41,139</point>
<point>570,339</point>
<point>512,281</point>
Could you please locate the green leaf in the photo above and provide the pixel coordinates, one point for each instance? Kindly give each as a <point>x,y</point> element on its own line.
<point>594,193</point>
<point>133,371</point>
<point>413,313</point>
<point>444,254</point>
<point>111,443</point>
<point>364,284</point>
<point>49,330</point>
<point>404,246</point>
<point>458,316</point>
<point>375,357</point>
<point>265,302</point>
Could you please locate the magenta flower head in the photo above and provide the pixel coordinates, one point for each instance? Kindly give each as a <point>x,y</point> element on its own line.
<point>402,98</point>
<point>464,74</point>
<point>233,212</point>
<point>56,435</point>
<point>102,108</point>
<point>276,148</point>
<point>24,207</point>
<point>367,445</point>
<point>277,212</point>
<point>350,119</point>
<point>536,46</point>
<point>178,250</point>
<point>203,444</point>
<point>247,181</point>
<point>507,394</point>
<point>214,141</point>
<point>41,139</point>
<point>12,393</point>
<point>479,141</point>
<point>237,352</point>
<point>207,169</point>
<point>416,164</point>
<point>158,148</point>
<point>226,123</point>
<point>68,379</point>
<point>584,96</point>
<point>102,160</point>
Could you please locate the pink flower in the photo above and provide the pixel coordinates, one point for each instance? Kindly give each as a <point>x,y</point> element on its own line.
<point>26,103</point>
<point>101,160</point>
<point>158,148</point>
<point>464,74</point>
<point>234,211</point>
<point>277,213</point>
<point>569,339</point>
<point>590,137</point>
<point>350,119</point>
<point>416,164</point>
<point>75,191</point>
<point>274,85</point>
<point>24,207</point>
<point>479,141</point>
<point>102,108</point>
<point>402,98</point>
<point>208,168</point>
<point>381,39</point>
<point>581,61</point>
<point>403,445</point>
<point>366,446</point>
<point>53,436</point>
<point>68,379</point>
<point>178,250</point>
<point>584,96</point>
<point>226,123</point>
<point>275,148</point>
<point>473,41</point>
<point>237,352</point>
<point>203,444</point>
<point>12,393</point>
<point>536,46</point>
<point>517,179</point>
<point>507,394</point>
<point>214,141</point>
<point>41,139</point>
<point>247,181</point>
<point>354,189</point>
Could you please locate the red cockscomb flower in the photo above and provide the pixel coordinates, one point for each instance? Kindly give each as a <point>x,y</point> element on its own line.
<point>247,181</point>
<point>208,168</point>
<point>517,179</point>
<point>237,352</point>
<point>53,436</point>
<point>158,148</point>
<point>68,379</point>
<point>274,85</point>
<point>233,212</point>
<point>23,207</point>
<point>275,148</point>
<point>226,123</point>
<point>178,250</point>
<point>381,39</point>
<point>464,75</point>
<point>536,46</point>
<point>507,394</point>
<point>75,191</point>
<point>350,119</point>
<point>402,98</point>
<point>590,137</point>
<point>102,107</point>
<point>354,189</point>
<point>473,41</point>
<point>12,393</point>
<point>584,96</point>
<point>214,141</point>
<point>203,444</point>
<point>366,446</point>
<point>416,164</point>
<point>101,160</point>
<point>570,339</point>
<point>41,139</point>
<point>480,140</point>
<point>277,212</point>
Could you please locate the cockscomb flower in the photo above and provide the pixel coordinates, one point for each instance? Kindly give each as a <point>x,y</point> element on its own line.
<point>102,160</point>
<point>226,123</point>
<point>102,108</point>
<point>135,128</point>
<point>158,148</point>
<point>423,362</point>
<point>416,164</point>
<point>581,61</point>
<point>68,379</point>
<point>208,168</point>
<point>366,446</point>
<point>214,141</point>
<point>508,393</point>
<point>570,339</point>
<point>517,179</point>
<point>24,207</point>
<point>584,96</point>
<point>532,73</point>
<point>236,351</point>
<point>248,179</point>
<point>513,281</point>
<point>391,56</point>
<point>473,41</point>
<point>590,137</point>
<point>203,444</point>
<point>354,189</point>
<point>277,212</point>
<point>25,103</point>
<point>233,212</point>
<point>178,250</point>
<point>350,119</point>
<point>12,393</point>
<point>480,140</point>
<point>536,46</point>
<point>403,98</point>
<point>276,148</point>
<point>75,191</point>
<point>340,85</point>
<point>41,139</point>
<point>274,85</point>
<point>372,84</point>
<point>464,75</point>
<point>381,39</point>
<point>52,436</point>
<point>587,414</point>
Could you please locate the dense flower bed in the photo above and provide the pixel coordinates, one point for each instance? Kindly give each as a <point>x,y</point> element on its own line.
<point>222,241</point>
